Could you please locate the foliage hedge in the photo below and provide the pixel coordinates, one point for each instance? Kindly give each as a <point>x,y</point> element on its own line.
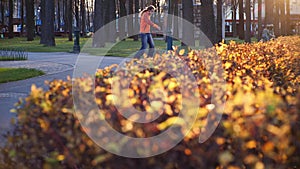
<point>259,128</point>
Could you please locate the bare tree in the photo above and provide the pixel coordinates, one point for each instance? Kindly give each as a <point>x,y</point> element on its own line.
<point>234,25</point>
<point>58,16</point>
<point>76,13</point>
<point>2,12</point>
<point>241,20</point>
<point>282,16</point>
<point>136,20</point>
<point>176,29</point>
<point>70,19</point>
<point>188,15</point>
<point>22,17</point>
<point>208,20</point>
<point>219,20</point>
<point>43,17</point>
<point>48,30</point>
<point>269,15</point>
<point>130,18</point>
<point>248,21</point>
<point>10,19</point>
<point>259,16</point>
<point>276,17</point>
<point>83,17</point>
<point>30,26</point>
<point>65,14</point>
<point>121,23</point>
<point>88,16</point>
<point>109,16</point>
<point>98,40</point>
<point>288,17</point>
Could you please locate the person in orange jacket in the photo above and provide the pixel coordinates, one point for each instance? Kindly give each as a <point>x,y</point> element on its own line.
<point>146,37</point>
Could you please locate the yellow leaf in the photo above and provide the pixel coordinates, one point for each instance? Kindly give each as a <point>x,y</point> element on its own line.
<point>251,144</point>
<point>228,65</point>
<point>44,124</point>
<point>187,151</point>
<point>60,157</point>
<point>259,165</point>
<point>171,121</point>
<point>181,52</point>
<point>225,158</point>
<point>267,147</point>
<point>220,141</point>
<point>250,159</point>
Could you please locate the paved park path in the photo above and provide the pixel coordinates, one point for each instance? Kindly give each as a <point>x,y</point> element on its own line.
<point>56,65</point>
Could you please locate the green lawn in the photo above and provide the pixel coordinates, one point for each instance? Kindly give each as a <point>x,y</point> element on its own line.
<point>62,44</point>
<point>14,74</point>
<point>121,48</point>
<point>237,40</point>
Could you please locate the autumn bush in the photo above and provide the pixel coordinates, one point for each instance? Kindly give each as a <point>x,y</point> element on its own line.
<point>259,127</point>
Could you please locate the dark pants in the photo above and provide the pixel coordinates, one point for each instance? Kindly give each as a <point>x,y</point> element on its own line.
<point>146,38</point>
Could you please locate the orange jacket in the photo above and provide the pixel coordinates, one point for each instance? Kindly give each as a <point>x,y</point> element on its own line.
<point>146,23</point>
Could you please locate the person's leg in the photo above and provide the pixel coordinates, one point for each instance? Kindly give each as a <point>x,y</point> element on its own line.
<point>144,46</point>
<point>151,45</point>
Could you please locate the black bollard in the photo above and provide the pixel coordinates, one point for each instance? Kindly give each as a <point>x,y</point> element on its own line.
<point>76,47</point>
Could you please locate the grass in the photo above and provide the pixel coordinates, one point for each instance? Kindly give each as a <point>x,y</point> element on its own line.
<point>62,44</point>
<point>14,74</point>
<point>121,48</point>
<point>237,40</point>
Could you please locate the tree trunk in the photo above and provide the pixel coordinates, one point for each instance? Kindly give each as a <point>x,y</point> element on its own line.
<point>49,23</point>
<point>121,23</point>
<point>276,18</point>
<point>88,17</point>
<point>241,20</point>
<point>188,15</point>
<point>234,27</point>
<point>253,24</point>
<point>130,18</point>
<point>30,26</point>
<point>22,17</point>
<point>10,19</point>
<point>110,16</point>
<point>2,12</point>
<point>176,14</point>
<point>76,12</point>
<point>288,17</point>
<point>58,16</point>
<point>259,16</point>
<point>248,22</point>
<point>70,19</point>
<point>208,20</point>
<point>142,4</point>
<point>269,15</point>
<point>83,17</point>
<point>282,17</point>
<point>219,20</point>
<point>43,17</point>
<point>136,20</point>
<point>65,16</point>
<point>98,39</point>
